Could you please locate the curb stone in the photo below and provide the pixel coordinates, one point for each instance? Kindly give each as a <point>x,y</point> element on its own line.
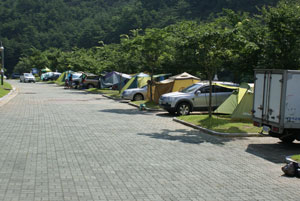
<point>288,159</point>
<point>211,132</point>
<point>5,99</point>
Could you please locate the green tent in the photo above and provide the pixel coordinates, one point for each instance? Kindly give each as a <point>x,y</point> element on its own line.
<point>239,103</point>
<point>243,109</point>
<point>137,81</point>
<point>62,77</point>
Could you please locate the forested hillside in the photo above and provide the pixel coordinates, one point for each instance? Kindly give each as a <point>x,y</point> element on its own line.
<point>65,24</point>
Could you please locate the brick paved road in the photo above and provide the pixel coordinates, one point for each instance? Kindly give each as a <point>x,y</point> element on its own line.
<point>58,144</point>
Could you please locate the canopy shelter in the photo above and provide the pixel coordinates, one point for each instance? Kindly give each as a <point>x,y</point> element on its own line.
<point>137,81</point>
<point>172,84</point>
<point>239,104</point>
<point>45,70</point>
<point>114,79</point>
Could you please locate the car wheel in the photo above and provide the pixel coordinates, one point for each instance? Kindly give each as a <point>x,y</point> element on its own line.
<point>90,86</point>
<point>138,97</point>
<point>183,109</point>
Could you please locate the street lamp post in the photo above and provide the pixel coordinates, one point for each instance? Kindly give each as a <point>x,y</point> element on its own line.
<point>2,66</point>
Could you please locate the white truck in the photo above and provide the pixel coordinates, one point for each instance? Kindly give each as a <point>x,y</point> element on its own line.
<point>276,104</point>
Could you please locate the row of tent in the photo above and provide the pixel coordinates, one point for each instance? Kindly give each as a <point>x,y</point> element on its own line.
<point>238,105</point>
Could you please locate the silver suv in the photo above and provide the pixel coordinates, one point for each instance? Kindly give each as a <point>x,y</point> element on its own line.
<point>195,98</point>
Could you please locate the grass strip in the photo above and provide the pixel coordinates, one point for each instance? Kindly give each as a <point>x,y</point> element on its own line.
<point>221,123</point>
<point>148,104</point>
<point>296,157</point>
<point>5,89</point>
<point>108,92</point>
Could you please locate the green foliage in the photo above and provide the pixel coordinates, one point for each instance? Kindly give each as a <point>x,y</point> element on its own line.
<point>231,43</point>
<point>282,39</point>
<point>65,24</point>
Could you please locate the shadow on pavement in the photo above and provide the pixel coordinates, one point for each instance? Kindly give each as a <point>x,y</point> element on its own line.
<point>275,153</point>
<point>165,114</point>
<point>187,136</point>
<point>132,111</point>
<point>74,91</point>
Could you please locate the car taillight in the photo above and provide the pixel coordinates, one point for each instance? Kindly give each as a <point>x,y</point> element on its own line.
<point>275,129</point>
<point>256,124</point>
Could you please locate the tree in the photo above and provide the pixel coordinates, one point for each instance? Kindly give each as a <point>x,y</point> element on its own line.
<point>283,44</point>
<point>154,48</point>
<point>210,49</point>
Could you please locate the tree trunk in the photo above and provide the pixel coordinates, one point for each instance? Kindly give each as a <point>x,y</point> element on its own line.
<point>210,96</point>
<point>120,83</point>
<point>151,83</point>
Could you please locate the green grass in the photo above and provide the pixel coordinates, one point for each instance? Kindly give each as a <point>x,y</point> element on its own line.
<point>149,104</point>
<point>51,82</point>
<point>108,92</point>
<point>221,123</point>
<point>37,78</point>
<point>5,89</point>
<point>296,157</point>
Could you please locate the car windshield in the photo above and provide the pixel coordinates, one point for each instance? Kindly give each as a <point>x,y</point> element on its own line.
<point>28,75</point>
<point>191,88</point>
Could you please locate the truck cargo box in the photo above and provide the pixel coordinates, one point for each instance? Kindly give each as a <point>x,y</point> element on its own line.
<point>276,103</point>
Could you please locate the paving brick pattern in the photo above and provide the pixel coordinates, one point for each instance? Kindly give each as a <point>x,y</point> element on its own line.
<point>58,144</point>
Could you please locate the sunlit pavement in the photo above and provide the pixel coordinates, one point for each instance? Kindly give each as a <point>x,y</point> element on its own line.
<point>61,144</point>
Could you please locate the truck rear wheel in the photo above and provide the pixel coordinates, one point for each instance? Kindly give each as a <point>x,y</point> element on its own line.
<point>287,140</point>
<point>288,136</point>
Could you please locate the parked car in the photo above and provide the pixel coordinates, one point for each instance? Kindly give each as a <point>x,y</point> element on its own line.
<point>135,94</point>
<point>15,75</point>
<point>76,79</point>
<point>195,98</point>
<point>90,81</point>
<point>50,76</point>
<point>27,77</point>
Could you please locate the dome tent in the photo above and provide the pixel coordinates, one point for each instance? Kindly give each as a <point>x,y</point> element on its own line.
<point>137,81</point>
<point>113,79</point>
<point>239,103</point>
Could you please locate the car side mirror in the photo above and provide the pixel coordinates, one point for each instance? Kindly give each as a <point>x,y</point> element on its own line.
<point>198,92</point>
